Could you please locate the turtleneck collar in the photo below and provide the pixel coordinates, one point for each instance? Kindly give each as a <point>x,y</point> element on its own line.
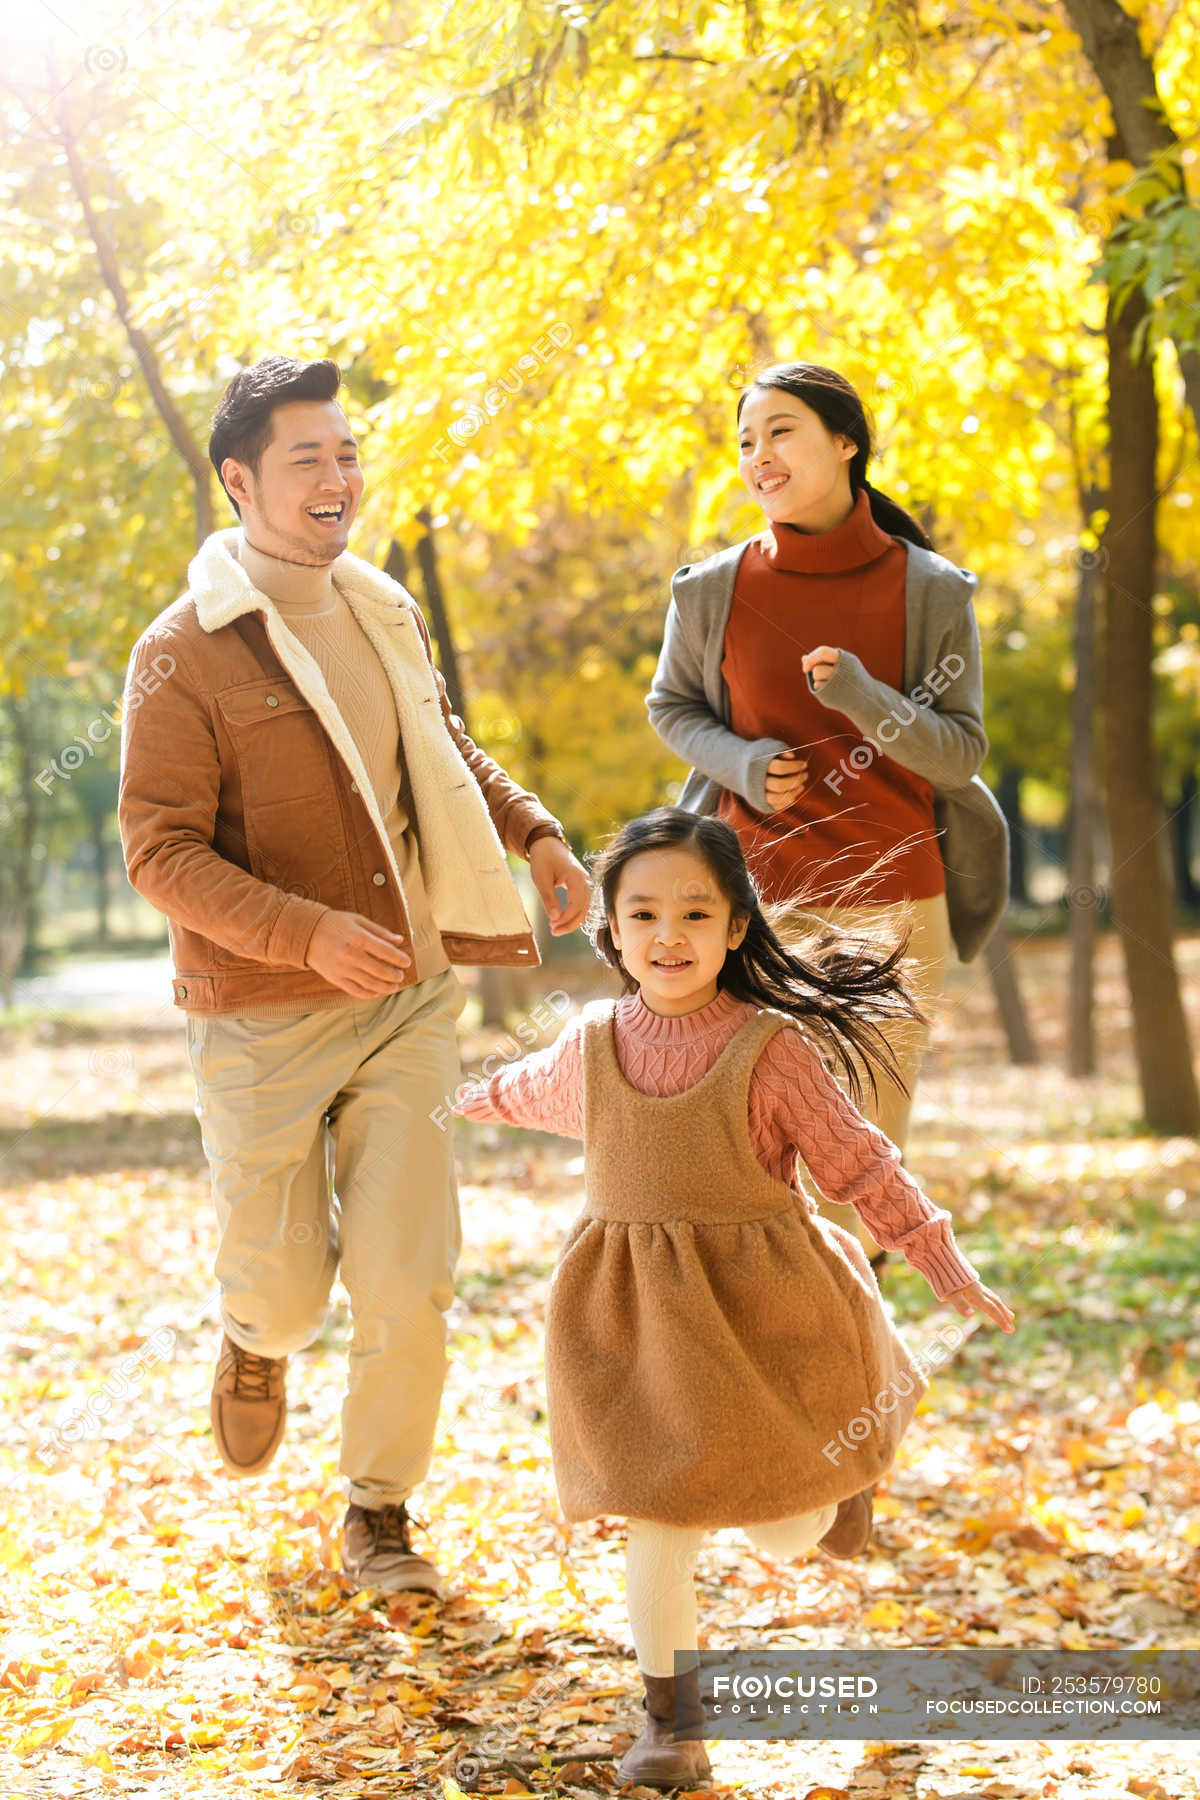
<point>294,587</point>
<point>854,544</point>
<point>677,1028</point>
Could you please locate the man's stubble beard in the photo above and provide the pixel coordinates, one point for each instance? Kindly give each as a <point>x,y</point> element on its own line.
<point>296,549</point>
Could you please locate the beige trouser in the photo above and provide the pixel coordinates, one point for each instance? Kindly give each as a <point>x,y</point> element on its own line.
<point>321,1139</point>
<point>925,967</point>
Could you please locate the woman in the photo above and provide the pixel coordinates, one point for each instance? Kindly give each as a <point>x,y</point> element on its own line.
<point>824,681</point>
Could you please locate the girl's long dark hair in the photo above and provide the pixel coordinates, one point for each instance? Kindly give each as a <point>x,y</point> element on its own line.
<point>839,982</point>
<point>839,408</point>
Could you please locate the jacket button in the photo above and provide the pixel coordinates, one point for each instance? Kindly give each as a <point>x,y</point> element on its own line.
<point>180,991</point>
<point>272,700</point>
<point>379,878</point>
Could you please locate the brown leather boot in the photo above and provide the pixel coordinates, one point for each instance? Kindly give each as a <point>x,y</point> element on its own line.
<point>657,1760</point>
<point>377,1551</point>
<point>248,1407</point>
<point>850,1532</point>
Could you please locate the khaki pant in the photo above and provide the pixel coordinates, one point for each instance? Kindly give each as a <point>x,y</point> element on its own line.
<point>925,966</point>
<point>323,1153</point>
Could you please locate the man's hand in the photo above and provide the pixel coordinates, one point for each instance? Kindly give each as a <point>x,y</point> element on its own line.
<point>820,664</point>
<point>977,1298</point>
<point>786,775</point>
<point>356,955</point>
<point>552,866</point>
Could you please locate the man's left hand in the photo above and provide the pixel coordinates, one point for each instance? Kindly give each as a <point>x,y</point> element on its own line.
<point>552,866</point>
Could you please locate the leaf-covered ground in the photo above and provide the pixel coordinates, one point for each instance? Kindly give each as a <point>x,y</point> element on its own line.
<point>166,1631</point>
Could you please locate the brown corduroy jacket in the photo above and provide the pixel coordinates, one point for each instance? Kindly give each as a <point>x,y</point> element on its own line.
<point>246,811</point>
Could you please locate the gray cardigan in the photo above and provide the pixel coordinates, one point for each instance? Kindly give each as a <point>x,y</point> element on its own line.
<point>934,728</point>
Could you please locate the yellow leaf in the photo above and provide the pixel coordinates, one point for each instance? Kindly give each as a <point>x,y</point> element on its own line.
<point>42,1736</point>
<point>887,1615</point>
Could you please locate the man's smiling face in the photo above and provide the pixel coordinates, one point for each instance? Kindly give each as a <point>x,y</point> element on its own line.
<point>301,502</point>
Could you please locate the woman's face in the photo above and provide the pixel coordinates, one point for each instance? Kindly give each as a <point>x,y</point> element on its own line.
<point>795,467</point>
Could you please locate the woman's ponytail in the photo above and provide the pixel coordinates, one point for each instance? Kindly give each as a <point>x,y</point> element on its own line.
<point>840,410</point>
<point>891,517</point>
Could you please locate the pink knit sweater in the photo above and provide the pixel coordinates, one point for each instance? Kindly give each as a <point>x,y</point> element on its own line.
<point>797,1112</point>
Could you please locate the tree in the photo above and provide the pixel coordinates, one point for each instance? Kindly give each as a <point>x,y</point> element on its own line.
<point>1170,1097</point>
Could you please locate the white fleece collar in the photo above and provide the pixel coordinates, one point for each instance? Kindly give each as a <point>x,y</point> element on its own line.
<point>222,590</point>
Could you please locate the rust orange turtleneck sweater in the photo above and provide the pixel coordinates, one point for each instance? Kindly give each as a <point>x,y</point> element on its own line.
<point>795,590</point>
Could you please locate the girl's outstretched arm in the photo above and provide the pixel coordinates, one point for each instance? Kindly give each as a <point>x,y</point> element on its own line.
<point>543,1091</point>
<point>798,1110</point>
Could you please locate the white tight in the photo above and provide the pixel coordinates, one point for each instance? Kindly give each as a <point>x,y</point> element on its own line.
<point>660,1565</point>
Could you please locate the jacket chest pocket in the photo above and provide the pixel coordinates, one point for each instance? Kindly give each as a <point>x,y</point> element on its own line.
<point>280,743</point>
<point>290,814</point>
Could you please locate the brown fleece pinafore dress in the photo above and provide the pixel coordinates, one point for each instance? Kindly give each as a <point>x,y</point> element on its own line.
<point>707,1337</point>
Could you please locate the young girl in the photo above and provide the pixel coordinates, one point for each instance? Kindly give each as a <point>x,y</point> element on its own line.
<point>708,1333</point>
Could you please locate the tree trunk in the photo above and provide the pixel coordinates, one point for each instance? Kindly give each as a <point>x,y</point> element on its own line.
<point>26,871</point>
<point>1008,796</point>
<point>1141,899</point>
<point>1083,897</point>
<point>439,618</point>
<point>102,889</point>
<point>1183,820</point>
<point>498,984</point>
<point>180,432</point>
<point>1113,46</point>
<point>1003,976</point>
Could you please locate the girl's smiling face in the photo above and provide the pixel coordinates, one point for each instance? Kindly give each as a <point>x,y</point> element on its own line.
<point>673,928</point>
<point>795,467</point>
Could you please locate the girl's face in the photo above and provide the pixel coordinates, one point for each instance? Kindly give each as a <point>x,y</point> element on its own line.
<point>795,467</point>
<point>673,928</point>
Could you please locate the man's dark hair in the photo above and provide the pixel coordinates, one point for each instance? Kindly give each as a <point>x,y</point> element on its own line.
<point>241,425</point>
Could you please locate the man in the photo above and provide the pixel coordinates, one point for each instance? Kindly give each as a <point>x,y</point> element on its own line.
<point>326,842</point>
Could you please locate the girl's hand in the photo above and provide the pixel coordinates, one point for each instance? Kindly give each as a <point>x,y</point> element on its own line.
<point>820,664</point>
<point>469,1097</point>
<point>977,1298</point>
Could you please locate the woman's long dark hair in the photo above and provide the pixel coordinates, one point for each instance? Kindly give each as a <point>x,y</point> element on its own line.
<point>839,408</point>
<point>838,982</point>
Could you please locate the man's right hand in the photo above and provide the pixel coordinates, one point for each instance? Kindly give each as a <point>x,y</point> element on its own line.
<point>357,955</point>
<point>786,776</point>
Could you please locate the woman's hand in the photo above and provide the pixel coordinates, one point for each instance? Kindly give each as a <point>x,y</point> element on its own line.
<point>820,664</point>
<point>786,775</point>
<point>977,1298</point>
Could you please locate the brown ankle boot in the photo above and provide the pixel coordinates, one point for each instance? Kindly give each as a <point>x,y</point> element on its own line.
<point>657,1760</point>
<point>248,1408</point>
<point>850,1532</point>
<point>377,1551</point>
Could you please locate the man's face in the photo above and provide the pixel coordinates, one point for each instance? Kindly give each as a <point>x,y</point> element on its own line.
<point>300,504</point>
